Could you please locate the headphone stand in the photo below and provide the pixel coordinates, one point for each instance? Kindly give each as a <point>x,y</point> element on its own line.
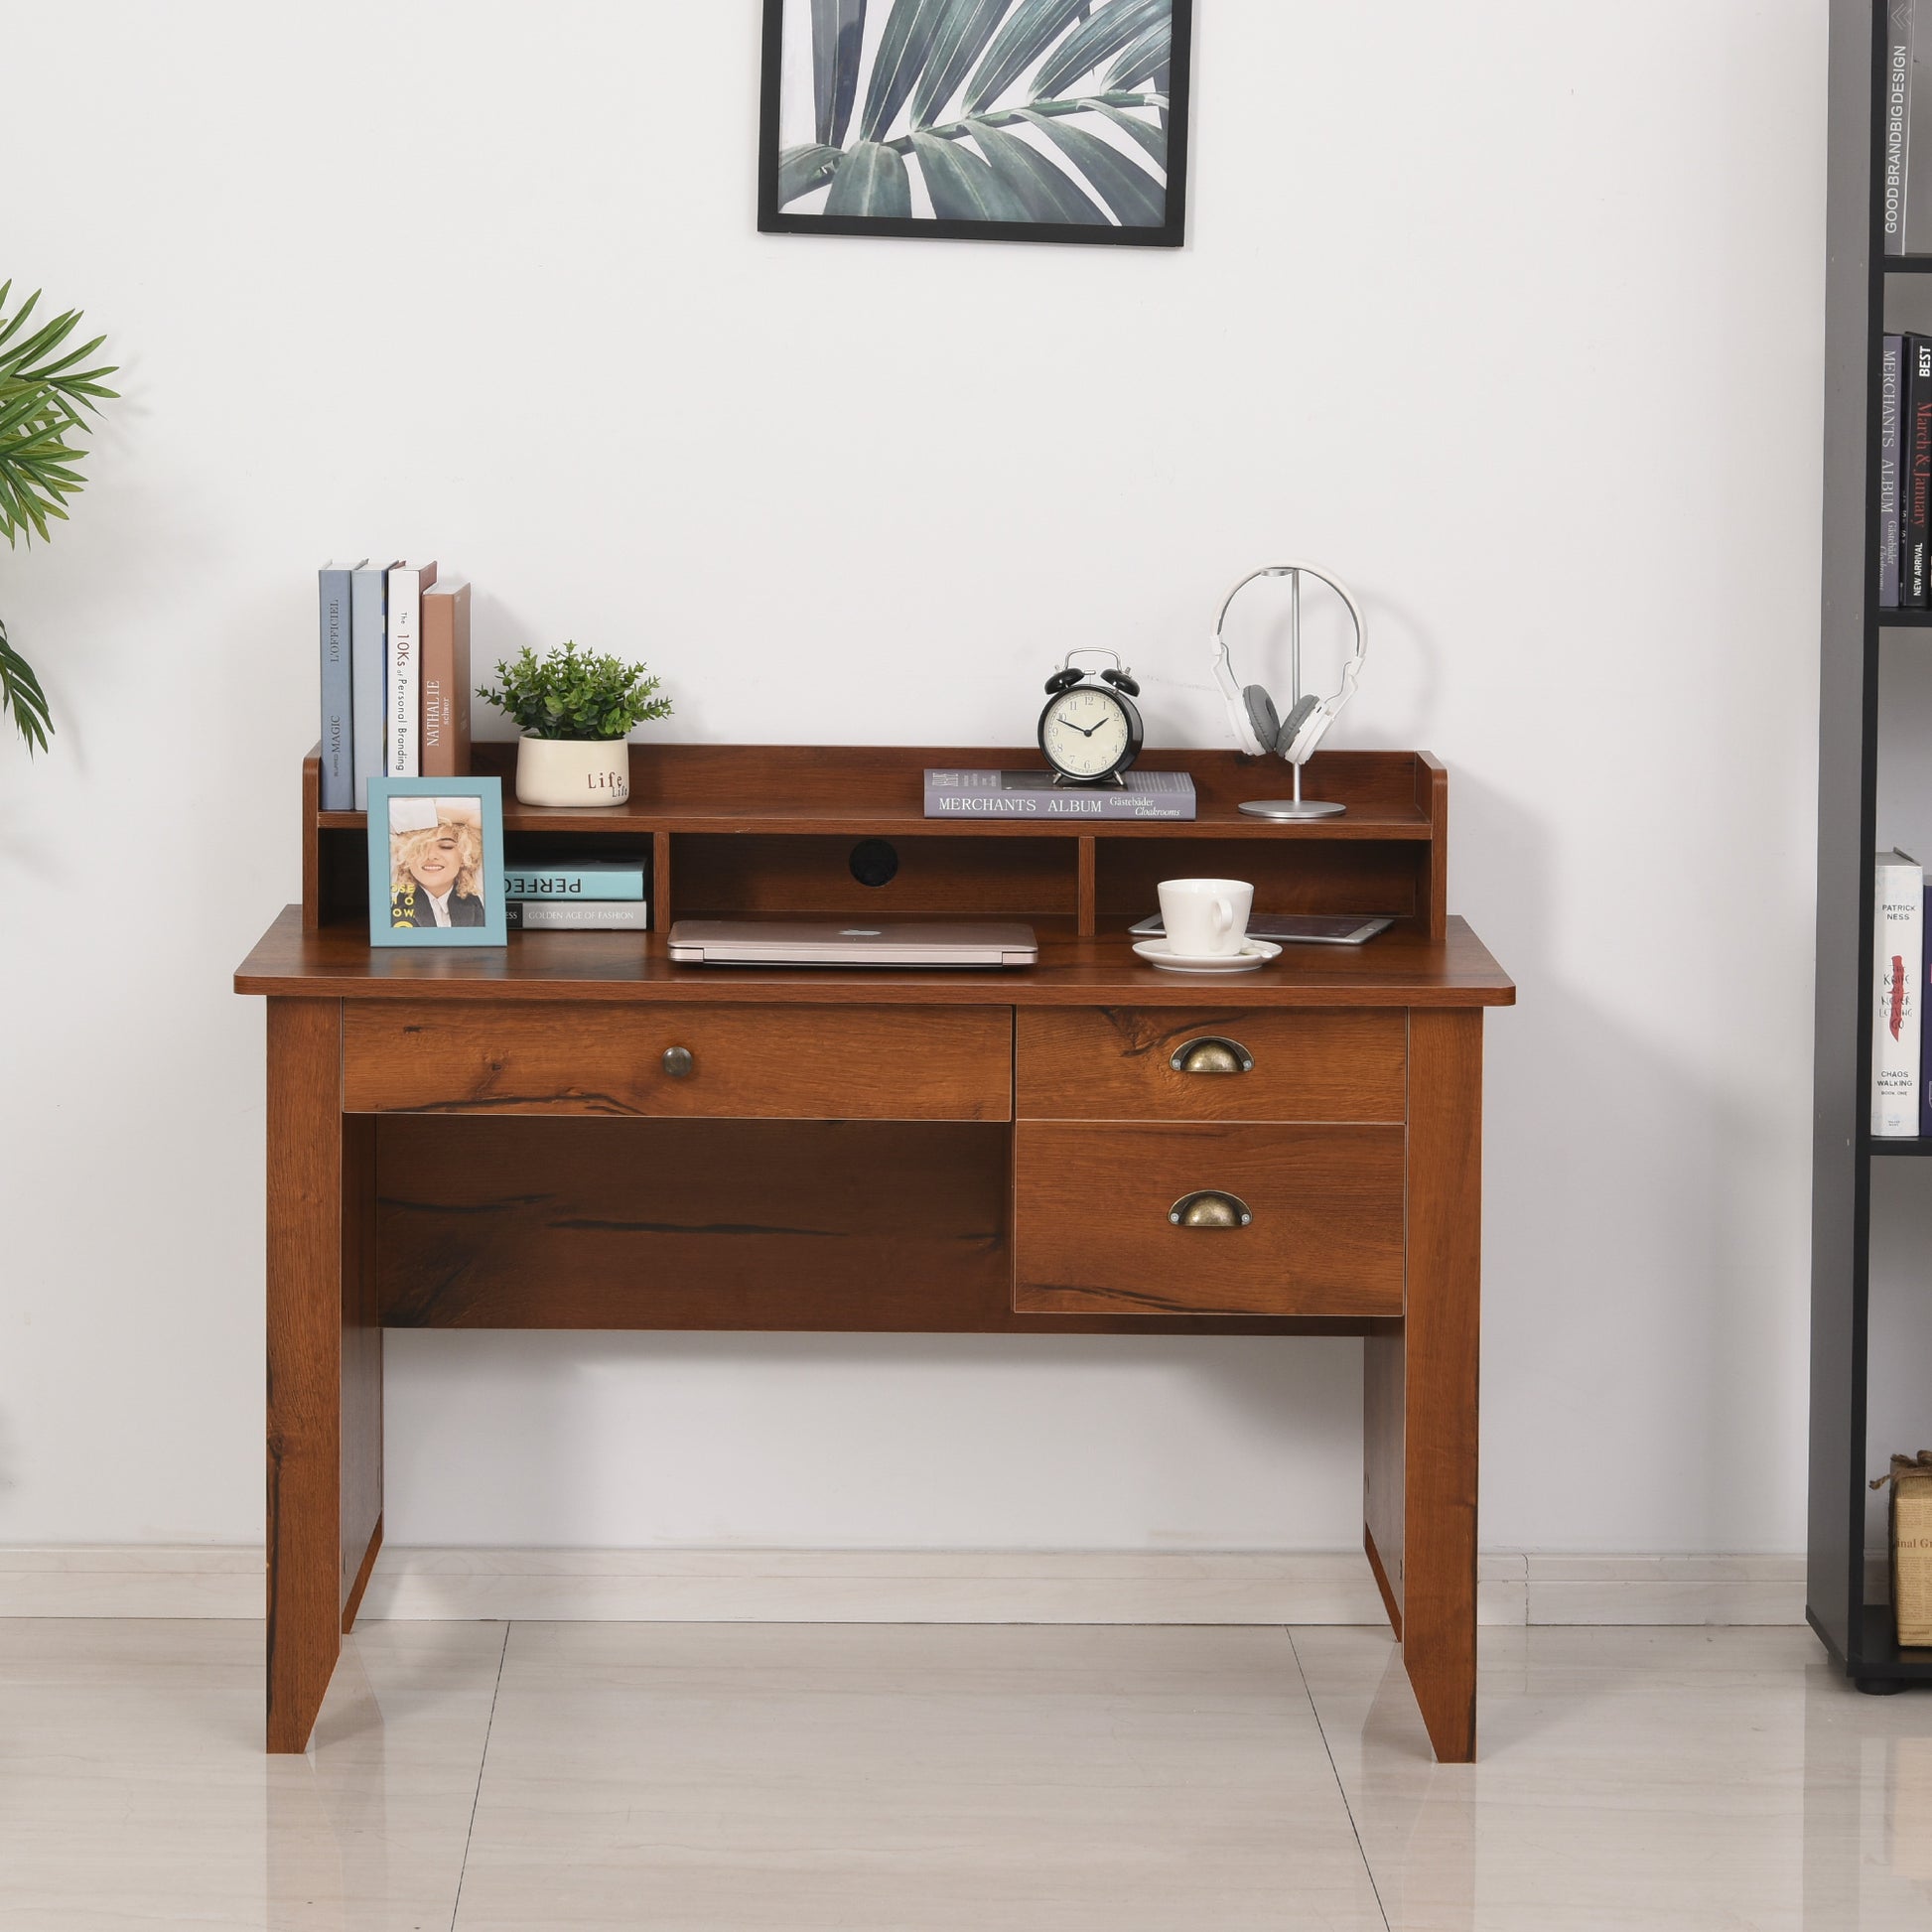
<point>1296,807</point>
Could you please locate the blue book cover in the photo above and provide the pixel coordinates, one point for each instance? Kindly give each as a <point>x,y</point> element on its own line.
<point>368,672</point>
<point>577,878</point>
<point>337,729</point>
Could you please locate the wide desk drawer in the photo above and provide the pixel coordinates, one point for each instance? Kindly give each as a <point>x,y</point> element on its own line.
<point>1223,1220</point>
<point>743,1062</point>
<point>1209,1064</point>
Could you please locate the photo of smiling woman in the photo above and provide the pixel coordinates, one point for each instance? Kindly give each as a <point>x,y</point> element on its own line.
<point>436,863</point>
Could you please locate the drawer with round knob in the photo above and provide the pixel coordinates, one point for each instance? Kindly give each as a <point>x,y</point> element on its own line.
<point>1228,1218</point>
<point>742,1062</point>
<point>1210,1063</point>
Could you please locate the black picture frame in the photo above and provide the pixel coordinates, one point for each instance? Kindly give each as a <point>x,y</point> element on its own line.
<point>1171,233</point>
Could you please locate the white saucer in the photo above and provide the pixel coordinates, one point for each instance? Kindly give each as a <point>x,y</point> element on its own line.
<point>1253,953</point>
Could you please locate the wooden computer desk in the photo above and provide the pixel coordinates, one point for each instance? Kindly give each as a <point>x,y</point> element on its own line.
<point>493,1139</point>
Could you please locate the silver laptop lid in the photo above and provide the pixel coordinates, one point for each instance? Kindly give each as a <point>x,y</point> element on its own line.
<point>853,942</point>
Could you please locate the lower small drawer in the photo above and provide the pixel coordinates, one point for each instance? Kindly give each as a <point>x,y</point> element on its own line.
<point>1224,1219</point>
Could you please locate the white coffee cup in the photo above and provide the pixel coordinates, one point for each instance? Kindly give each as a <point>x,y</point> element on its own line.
<point>1205,918</point>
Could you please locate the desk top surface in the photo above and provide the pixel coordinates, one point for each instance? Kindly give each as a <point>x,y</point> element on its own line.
<point>1394,969</point>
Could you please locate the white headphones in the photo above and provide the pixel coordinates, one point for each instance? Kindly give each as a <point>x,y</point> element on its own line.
<point>1258,726</point>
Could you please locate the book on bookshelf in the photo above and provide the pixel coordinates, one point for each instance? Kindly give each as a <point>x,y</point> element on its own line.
<point>338,714</point>
<point>1033,795</point>
<point>619,877</point>
<point>1898,964</point>
<point>1898,105</point>
<point>368,644</point>
<point>446,678</point>
<point>580,915</point>
<point>1915,484</point>
<point>1891,418</point>
<point>403,708</point>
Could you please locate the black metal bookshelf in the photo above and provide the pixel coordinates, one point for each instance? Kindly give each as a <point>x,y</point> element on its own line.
<point>1858,1635</point>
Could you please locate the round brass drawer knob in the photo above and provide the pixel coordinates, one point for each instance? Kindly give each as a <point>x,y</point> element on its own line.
<point>678,1062</point>
<point>1212,1055</point>
<point>1209,1209</point>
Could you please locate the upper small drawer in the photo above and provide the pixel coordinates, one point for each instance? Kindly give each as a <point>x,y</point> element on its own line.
<point>1210,1063</point>
<point>745,1063</point>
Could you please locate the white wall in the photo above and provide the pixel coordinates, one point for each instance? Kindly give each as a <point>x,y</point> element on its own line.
<point>1510,313</point>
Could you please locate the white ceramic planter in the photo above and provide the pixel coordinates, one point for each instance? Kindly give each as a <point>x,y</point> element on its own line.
<point>576,771</point>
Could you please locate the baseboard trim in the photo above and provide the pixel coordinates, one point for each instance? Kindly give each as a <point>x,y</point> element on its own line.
<point>904,1586</point>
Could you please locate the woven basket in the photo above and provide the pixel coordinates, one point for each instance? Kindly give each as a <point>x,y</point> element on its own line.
<point>1911,1546</point>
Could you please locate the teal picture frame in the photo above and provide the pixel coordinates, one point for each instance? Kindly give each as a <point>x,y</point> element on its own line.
<point>405,817</point>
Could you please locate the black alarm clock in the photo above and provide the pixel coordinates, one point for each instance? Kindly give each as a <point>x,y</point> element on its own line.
<point>1090,731</point>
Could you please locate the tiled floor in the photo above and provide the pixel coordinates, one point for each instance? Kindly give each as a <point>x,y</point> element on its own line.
<point>728,1777</point>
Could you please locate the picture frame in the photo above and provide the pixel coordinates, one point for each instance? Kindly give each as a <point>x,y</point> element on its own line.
<point>1009,121</point>
<point>426,831</point>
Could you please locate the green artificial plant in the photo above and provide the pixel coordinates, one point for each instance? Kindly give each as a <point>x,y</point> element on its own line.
<point>41,400</point>
<point>571,694</point>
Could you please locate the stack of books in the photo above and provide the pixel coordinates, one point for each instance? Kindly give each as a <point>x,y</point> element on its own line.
<point>395,678</point>
<point>1035,794</point>
<point>579,894</point>
<point>1901,1092</point>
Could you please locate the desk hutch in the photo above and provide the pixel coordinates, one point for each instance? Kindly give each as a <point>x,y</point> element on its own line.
<point>508,1138</point>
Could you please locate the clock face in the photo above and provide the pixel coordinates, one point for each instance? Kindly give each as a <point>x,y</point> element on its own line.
<point>1084,731</point>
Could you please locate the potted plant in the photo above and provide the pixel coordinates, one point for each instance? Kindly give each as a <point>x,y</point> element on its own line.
<point>575,712</point>
<point>42,399</point>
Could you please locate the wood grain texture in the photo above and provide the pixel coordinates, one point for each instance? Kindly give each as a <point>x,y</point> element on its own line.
<point>1395,969</point>
<point>360,1359</point>
<point>846,1227</point>
<point>1085,886</point>
<point>874,790</point>
<point>305,1337</point>
<point>1113,1063</point>
<point>359,1582</point>
<point>310,841</point>
<point>663,900</point>
<point>1362,876</point>
<point>757,875</point>
<point>1442,1344</point>
<point>748,1063</point>
<point>1091,1228</point>
<point>1432,878</point>
<point>1382,1447</point>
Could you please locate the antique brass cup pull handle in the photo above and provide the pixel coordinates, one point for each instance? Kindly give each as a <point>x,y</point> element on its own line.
<point>1212,1055</point>
<point>1208,1209</point>
<point>678,1062</point>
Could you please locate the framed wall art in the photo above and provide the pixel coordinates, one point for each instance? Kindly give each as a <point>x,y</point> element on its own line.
<point>1004,120</point>
<point>436,863</point>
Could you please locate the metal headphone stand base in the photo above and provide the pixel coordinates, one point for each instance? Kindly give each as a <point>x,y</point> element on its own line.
<point>1296,807</point>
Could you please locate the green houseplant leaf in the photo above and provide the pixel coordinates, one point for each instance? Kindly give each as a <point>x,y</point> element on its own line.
<point>872,180</point>
<point>1030,31</point>
<point>1135,197</point>
<point>1047,193</point>
<point>1152,137</point>
<point>911,29</point>
<point>802,169</point>
<point>45,396</point>
<point>1107,31</point>
<point>571,694</point>
<point>963,34</point>
<point>962,185</point>
<point>20,696</point>
<point>838,32</point>
<point>1145,59</point>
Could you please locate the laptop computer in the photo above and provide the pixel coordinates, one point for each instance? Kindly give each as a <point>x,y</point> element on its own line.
<point>852,943</point>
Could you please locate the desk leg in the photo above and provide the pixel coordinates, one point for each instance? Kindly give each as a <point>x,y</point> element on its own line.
<point>1419,1389</point>
<point>325,1363</point>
